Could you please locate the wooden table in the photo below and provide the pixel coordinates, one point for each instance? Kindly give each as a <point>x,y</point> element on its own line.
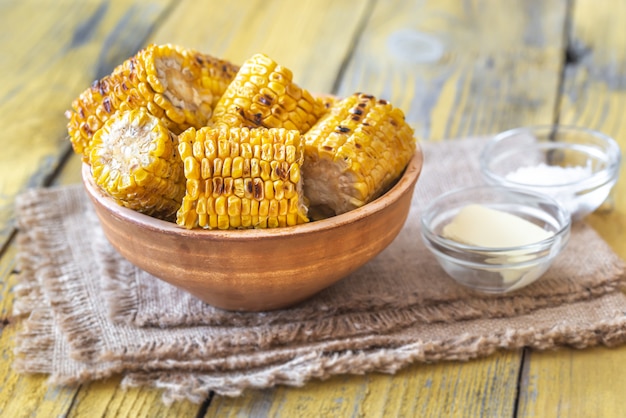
<point>457,68</point>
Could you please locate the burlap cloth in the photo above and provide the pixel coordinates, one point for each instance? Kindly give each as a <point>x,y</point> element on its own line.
<point>90,314</point>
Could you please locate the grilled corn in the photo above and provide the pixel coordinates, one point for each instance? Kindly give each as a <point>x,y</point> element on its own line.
<point>241,178</point>
<point>354,153</point>
<point>264,95</point>
<point>134,159</point>
<point>179,86</point>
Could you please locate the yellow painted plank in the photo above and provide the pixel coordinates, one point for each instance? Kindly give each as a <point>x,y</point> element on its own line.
<point>574,383</point>
<point>310,37</point>
<point>484,387</point>
<point>462,68</point>
<point>595,96</point>
<point>22,396</point>
<point>51,53</point>
<point>107,399</point>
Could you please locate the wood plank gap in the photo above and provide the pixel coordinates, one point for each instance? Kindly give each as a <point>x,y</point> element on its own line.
<point>566,59</point>
<point>64,156</point>
<point>73,401</point>
<point>353,43</point>
<point>7,243</point>
<point>205,405</point>
<point>522,378</point>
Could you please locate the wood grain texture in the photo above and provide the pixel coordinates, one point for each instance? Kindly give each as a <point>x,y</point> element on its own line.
<point>46,63</point>
<point>462,68</point>
<point>594,96</point>
<point>575,383</point>
<point>27,396</point>
<point>106,398</point>
<point>310,37</point>
<point>431,390</point>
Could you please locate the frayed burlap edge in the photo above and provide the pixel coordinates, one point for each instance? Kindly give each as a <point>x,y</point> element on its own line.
<point>297,372</point>
<point>48,273</point>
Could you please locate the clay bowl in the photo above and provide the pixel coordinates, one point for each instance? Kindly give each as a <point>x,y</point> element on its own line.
<point>257,270</point>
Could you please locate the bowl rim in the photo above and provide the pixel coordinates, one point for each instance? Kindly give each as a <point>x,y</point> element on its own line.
<point>596,179</point>
<point>560,236</point>
<point>405,182</point>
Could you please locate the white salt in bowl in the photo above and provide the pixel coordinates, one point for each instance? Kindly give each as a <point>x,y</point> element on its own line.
<point>576,166</point>
<point>496,269</point>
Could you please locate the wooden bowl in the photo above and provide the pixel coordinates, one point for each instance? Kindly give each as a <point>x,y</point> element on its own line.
<point>257,269</point>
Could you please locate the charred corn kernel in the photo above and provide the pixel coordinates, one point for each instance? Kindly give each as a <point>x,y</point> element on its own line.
<point>264,95</point>
<point>248,184</point>
<point>135,160</point>
<point>180,86</point>
<point>354,153</point>
<point>327,101</point>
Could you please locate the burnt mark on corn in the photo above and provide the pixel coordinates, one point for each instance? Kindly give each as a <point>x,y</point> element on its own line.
<point>86,129</point>
<point>229,185</point>
<point>343,129</point>
<point>265,99</point>
<point>257,118</point>
<point>327,148</point>
<point>282,171</point>
<point>358,146</point>
<point>218,186</point>
<point>383,102</point>
<point>106,103</point>
<point>362,104</point>
<point>257,191</point>
<point>356,111</point>
<point>356,118</point>
<point>249,187</point>
<point>99,85</point>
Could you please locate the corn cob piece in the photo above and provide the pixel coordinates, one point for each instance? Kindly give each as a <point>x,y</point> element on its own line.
<point>354,153</point>
<point>241,178</point>
<point>179,86</point>
<point>134,159</point>
<point>264,95</point>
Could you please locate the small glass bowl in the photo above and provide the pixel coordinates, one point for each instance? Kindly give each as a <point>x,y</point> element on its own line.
<point>496,270</point>
<point>576,166</point>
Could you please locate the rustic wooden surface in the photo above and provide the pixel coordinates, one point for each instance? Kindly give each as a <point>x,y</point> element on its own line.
<point>456,68</point>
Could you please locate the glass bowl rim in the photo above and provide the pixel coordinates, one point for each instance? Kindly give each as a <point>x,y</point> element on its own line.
<point>594,180</point>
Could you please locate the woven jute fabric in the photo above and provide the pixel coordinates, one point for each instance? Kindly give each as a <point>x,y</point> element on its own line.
<point>88,313</point>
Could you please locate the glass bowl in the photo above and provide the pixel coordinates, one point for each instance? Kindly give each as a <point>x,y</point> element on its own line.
<point>576,166</point>
<point>496,269</point>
